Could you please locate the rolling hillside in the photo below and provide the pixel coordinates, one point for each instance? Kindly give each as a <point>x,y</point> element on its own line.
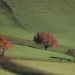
<point>29,16</point>
<point>9,23</point>
<point>21,19</point>
<point>45,15</point>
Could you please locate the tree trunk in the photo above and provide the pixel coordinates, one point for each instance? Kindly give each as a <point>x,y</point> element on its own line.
<point>3,53</point>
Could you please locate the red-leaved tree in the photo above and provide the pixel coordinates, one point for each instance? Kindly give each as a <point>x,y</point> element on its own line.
<point>4,45</point>
<point>45,39</point>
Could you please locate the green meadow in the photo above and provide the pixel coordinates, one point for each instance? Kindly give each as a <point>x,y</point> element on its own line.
<point>21,19</point>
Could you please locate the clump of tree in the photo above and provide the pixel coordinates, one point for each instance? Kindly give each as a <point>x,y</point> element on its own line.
<point>4,45</point>
<point>45,39</point>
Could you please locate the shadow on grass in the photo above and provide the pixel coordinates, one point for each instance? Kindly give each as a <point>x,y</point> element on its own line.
<point>20,70</point>
<point>61,59</point>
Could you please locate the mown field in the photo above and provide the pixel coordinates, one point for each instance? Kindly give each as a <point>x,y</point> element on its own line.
<point>21,19</point>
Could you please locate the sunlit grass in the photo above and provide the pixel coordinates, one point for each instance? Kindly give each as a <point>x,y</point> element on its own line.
<point>28,52</point>
<point>58,68</point>
<point>5,72</point>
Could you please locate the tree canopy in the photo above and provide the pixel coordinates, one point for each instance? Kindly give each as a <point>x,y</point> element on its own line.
<point>4,45</point>
<point>45,39</point>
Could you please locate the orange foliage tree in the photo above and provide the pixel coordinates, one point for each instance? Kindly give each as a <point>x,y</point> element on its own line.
<point>4,45</point>
<point>45,39</point>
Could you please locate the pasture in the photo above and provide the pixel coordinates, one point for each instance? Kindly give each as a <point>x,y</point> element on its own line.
<point>21,19</point>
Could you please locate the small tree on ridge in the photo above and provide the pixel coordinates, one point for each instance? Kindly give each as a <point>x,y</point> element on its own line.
<point>4,45</point>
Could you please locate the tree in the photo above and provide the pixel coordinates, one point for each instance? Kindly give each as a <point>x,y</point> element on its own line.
<point>4,45</point>
<point>45,39</point>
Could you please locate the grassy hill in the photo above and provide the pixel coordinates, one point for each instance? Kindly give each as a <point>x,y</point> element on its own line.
<point>9,23</point>
<point>54,16</point>
<point>29,16</point>
<point>23,18</point>
<point>24,52</point>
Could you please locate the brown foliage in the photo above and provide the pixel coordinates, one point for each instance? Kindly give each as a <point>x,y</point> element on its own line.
<point>4,45</point>
<point>45,39</point>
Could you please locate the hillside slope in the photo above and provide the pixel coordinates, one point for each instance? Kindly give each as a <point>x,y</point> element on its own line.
<point>9,23</point>
<point>45,15</point>
<point>19,17</point>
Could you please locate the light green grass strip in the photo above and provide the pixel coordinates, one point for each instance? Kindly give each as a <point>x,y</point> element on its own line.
<point>4,72</point>
<point>28,52</point>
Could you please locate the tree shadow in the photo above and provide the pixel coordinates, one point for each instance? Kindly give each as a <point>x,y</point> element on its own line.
<point>61,59</point>
<point>20,70</point>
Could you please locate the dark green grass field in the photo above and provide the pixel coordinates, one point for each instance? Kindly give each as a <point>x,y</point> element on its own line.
<point>21,19</point>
